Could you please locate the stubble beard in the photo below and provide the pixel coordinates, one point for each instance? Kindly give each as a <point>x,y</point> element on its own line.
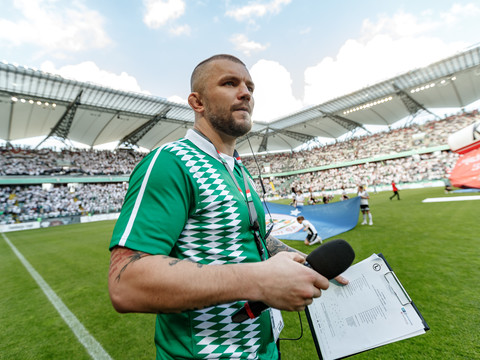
<point>227,124</point>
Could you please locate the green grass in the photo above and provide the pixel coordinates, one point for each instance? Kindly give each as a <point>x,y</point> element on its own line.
<point>434,249</point>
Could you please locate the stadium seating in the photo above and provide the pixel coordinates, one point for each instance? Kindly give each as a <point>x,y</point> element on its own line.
<point>23,203</point>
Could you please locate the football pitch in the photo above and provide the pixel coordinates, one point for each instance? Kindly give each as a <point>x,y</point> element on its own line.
<point>54,300</point>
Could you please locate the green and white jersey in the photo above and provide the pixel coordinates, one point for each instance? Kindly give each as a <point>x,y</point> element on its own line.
<point>182,202</point>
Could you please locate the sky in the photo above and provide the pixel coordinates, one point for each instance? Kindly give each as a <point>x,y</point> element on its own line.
<point>299,53</point>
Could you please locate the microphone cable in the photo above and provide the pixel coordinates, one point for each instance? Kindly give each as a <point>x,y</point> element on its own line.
<point>301,330</point>
<point>264,192</point>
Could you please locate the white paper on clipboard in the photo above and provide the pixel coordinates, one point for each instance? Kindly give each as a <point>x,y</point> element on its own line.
<point>372,310</point>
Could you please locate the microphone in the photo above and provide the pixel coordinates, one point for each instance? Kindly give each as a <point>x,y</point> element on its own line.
<point>330,260</point>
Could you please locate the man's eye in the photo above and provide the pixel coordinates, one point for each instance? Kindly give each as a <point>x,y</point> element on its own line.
<point>251,88</point>
<point>229,83</point>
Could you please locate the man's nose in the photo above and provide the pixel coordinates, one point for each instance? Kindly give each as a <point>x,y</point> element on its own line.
<point>244,92</point>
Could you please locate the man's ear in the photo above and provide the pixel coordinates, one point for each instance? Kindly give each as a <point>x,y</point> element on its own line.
<point>195,102</point>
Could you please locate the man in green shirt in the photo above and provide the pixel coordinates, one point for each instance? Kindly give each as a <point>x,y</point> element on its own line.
<point>184,246</point>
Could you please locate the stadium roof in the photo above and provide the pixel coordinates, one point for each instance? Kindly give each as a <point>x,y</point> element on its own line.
<point>35,103</point>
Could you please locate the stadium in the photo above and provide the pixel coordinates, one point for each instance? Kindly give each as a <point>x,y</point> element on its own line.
<point>432,246</point>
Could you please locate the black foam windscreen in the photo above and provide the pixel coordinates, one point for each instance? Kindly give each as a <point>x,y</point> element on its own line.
<point>332,258</point>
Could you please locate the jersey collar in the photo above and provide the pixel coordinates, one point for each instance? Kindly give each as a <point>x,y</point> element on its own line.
<point>202,143</point>
<point>206,146</point>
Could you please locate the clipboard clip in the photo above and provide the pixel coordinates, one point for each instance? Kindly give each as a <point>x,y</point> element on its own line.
<point>397,288</point>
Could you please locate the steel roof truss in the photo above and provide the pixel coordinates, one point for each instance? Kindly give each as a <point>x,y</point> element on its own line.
<point>348,124</point>
<point>294,135</point>
<point>263,144</point>
<point>136,135</point>
<point>413,106</point>
<point>63,125</point>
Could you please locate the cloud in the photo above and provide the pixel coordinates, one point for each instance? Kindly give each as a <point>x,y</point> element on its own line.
<point>160,12</point>
<point>257,9</point>
<point>459,12</point>
<point>180,30</point>
<point>273,91</point>
<point>177,99</point>
<point>88,71</point>
<point>399,25</point>
<point>404,24</point>
<point>52,26</point>
<point>246,46</point>
<point>388,47</point>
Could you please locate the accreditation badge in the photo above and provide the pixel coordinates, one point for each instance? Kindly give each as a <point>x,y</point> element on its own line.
<point>277,322</point>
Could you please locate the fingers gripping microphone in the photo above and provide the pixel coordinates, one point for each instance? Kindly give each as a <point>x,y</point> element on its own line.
<point>332,258</point>
<point>329,260</point>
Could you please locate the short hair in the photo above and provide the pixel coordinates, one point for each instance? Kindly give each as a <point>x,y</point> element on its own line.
<point>300,218</point>
<point>199,69</point>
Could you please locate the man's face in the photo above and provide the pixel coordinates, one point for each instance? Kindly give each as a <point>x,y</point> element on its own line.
<point>228,98</point>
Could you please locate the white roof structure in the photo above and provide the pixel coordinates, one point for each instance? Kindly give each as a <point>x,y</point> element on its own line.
<point>34,103</point>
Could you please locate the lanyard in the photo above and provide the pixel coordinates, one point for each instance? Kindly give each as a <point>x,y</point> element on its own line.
<point>252,212</point>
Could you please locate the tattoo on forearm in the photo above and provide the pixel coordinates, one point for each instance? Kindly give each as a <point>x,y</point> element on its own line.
<point>274,246</point>
<point>174,261</point>
<point>118,257</point>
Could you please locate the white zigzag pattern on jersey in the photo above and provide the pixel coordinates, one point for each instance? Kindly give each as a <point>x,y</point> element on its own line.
<point>231,335</point>
<point>216,201</point>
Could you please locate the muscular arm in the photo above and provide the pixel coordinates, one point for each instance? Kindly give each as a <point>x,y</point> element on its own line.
<point>140,282</point>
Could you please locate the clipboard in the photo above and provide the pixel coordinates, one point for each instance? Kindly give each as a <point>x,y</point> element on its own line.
<point>396,287</point>
<point>402,290</point>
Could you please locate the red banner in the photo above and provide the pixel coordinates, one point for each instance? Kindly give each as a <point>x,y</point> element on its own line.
<point>466,173</point>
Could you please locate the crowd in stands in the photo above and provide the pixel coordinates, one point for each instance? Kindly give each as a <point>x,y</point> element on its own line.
<point>33,202</point>
<point>425,167</point>
<point>24,203</point>
<point>415,136</point>
<point>31,162</point>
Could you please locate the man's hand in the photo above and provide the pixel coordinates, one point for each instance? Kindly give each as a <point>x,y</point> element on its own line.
<point>341,280</point>
<point>287,284</point>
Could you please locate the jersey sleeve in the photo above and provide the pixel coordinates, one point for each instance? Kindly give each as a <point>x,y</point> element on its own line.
<point>156,206</point>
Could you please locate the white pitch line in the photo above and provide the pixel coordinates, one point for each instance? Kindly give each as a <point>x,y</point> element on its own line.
<point>92,346</point>
<point>455,198</point>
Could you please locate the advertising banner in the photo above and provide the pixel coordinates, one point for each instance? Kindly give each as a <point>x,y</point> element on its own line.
<point>466,173</point>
